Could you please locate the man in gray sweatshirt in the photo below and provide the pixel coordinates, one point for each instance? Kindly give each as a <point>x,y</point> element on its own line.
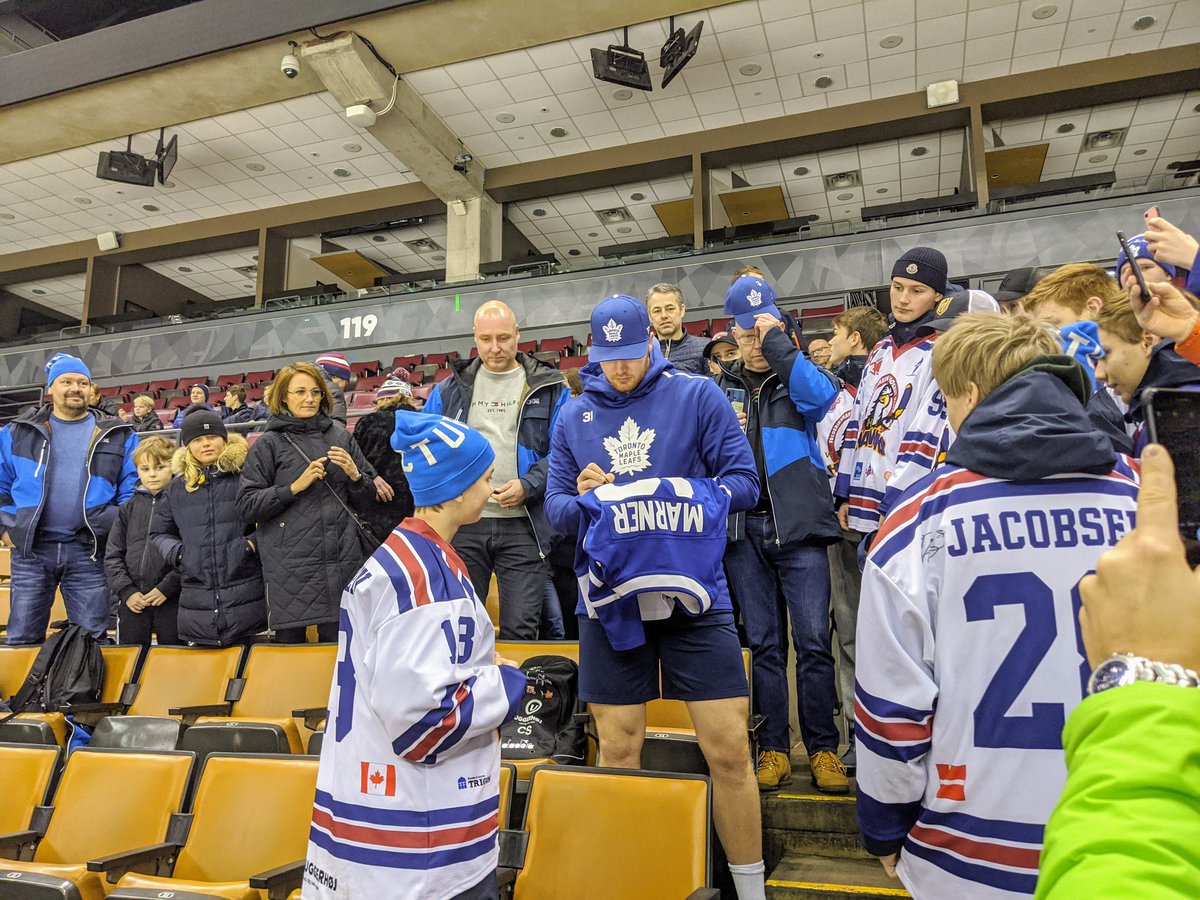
<point>664,303</point>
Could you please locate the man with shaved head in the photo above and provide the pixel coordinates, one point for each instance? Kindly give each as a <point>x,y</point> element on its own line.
<point>513,400</point>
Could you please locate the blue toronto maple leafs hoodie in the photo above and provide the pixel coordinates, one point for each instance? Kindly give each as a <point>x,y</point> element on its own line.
<point>670,425</point>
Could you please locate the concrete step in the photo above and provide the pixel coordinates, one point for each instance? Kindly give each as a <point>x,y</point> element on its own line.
<point>821,878</point>
<point>799,820</point>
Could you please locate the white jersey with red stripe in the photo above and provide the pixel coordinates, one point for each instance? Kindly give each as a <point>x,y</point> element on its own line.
<point>831,430</point>
<point>897,430</point>
<point>969,607</point>
<point>407,790</point>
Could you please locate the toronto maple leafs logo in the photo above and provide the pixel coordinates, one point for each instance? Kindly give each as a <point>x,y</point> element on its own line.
<point>612,331</point>
<point>630,449</point>
<point>754,298</point>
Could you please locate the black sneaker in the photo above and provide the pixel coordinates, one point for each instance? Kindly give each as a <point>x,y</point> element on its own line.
<point>849,759</point>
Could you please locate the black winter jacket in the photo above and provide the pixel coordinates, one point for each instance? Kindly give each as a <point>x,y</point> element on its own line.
<point>201,534</point>
<point>131,564</point>
<point>147,423</point>
<point>373,434</point>
<point>310,547</point>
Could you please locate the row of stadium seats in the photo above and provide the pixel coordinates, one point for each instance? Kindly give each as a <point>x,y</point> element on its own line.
<point>237,826</point>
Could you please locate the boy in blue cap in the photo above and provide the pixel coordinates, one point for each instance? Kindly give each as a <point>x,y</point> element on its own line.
<point>640,418</point>
<point>408,787</point>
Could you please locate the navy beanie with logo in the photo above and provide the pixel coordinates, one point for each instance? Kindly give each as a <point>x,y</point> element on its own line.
<point>923,264</point>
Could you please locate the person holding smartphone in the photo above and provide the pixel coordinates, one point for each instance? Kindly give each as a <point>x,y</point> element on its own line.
<point>1171,244</point>
<point>776,560</point>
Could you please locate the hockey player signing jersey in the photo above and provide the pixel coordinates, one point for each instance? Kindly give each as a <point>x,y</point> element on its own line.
<point>407,791</point>
<point>968,618</point>
<point>649,545</point>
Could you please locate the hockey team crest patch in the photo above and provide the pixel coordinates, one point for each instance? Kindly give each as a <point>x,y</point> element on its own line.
<point>612,331</point>
<point>629,449</point>
<point>943,305</point>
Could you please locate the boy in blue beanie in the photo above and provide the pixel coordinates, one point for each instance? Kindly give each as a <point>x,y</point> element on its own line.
<point>418,682</point>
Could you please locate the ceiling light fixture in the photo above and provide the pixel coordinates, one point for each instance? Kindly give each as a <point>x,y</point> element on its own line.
<point>1065,128</point>
<point>800,170</point>
<point>750,69</point>
<point>1141,152</point>
<point>352,148</point>
<point>1141,23</point>
<point>185,269</point>
<point>1103,140</point>
<point>941,93</point>
<point>83,201</point>
<point>7,217</point>
<point>823,82</point>
<point>506,118</point>
<point>623,94</point>
<point>342,173</point>
<point>572,252</point>
<point>149,207</point>
<point>637,195</point>
<point>842,180</point>
<point>679,49</point>
<point>1098,159</point>
<point>621,64</point>
<point>38,291</point>
<point>624,229</point>
<point>558,132</point>
<point>891,41</point>
<point>845,196</point>
<point>614,215</point>
<point>1046,11</point>
<point>918,151</point>
<point>539,212</point>
<point>881,190</point>
<point>255,167</point>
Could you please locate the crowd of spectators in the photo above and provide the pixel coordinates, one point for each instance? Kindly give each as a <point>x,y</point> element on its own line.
<point>893,484</point>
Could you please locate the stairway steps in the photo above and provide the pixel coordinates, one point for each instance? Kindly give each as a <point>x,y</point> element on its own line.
<point>817,878</point>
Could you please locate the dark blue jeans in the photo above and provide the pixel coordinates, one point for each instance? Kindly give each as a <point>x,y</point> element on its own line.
<point>67,566</point>
<point>507,547</point>
<point>772,583</point>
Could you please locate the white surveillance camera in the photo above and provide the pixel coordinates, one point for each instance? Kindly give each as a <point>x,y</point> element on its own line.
<point>290,66</point>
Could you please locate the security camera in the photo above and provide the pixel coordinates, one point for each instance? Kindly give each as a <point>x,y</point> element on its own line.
<point>290,65</point>
<point>463,162</point>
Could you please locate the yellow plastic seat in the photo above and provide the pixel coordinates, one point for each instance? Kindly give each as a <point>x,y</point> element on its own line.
<point>106,801</point>
<point>280,678</point>
<point>655,825</point>
<point>251,814</point>
<point>173,677</point>
<point>25,776</point>
<point>508,782</point>
<point>14,666</point>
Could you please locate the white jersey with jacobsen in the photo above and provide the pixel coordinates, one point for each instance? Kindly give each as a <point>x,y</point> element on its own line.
<point>649,546</point>
<point>407,790</point>
<point>897,431</point>
<point>968,619</point>
<point>831,430</point>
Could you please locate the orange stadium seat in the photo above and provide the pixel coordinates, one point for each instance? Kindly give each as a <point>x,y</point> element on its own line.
<point>269,798</point>
<point>655,827</point>
<point>26,776</point>
<point>92,818</point>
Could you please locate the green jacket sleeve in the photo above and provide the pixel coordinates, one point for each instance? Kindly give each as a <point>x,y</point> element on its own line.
<point>1128,821</point>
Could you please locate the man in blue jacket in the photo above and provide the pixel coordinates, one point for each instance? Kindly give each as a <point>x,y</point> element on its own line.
<point>639,418</point>
<point>513,400</point>
<point>63,473</point>
<point>777,559</point>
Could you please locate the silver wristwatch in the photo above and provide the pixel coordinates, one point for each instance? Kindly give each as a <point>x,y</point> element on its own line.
<point>1125,668</point>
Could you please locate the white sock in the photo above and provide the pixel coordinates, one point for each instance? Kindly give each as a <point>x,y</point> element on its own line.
<point>749,881</point>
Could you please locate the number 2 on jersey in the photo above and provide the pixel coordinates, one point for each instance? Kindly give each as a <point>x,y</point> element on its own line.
<point>1042,729</point>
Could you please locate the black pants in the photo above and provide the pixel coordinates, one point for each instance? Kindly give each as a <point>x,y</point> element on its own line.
<point>507,547</point>
<point>137,628</point>
<point>566,585</point>
<point>485,890</point>
<point>327,633</point>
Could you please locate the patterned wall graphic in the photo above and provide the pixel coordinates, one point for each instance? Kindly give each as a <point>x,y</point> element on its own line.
<point>1051,236</point>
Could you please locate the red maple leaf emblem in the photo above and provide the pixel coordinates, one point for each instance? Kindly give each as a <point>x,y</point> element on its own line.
<point>376,778</point>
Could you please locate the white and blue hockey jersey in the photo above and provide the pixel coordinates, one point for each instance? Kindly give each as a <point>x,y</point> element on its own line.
<point>648,546</point>
<point>831,430</point>
<point>407,790</point>
<point>968,617</point>
<point>897,430</point>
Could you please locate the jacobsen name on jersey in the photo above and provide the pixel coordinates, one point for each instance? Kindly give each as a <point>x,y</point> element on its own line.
<point>969,616</point>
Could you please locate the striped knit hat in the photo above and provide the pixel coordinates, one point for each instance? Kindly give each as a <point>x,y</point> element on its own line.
<point>335,365</point>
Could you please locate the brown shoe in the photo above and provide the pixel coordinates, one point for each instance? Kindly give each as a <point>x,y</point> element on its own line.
<point>828,773</point>
<point>774,770</point>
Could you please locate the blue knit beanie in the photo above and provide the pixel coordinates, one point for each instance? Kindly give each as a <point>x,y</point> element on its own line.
<point>1141,250</point>
<point>442,457</point>
<point>65,364</point>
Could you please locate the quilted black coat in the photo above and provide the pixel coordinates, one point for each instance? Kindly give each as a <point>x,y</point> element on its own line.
<point>373,434</point>
<point>201,534</point>
<point>309,545</point>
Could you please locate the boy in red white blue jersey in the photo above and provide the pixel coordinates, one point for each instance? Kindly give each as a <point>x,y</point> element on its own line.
<point>969,617</point>
<point>408,786</point>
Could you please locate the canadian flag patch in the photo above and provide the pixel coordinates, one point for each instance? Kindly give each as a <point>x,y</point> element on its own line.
<point>378,778</point>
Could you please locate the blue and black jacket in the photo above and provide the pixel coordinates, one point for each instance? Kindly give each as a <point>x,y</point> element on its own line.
<point>24,456</point>
<point>545,395</point>
<point>793,399</point>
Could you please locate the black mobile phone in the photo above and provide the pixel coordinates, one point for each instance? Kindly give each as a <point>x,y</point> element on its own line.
<point>1173,420</point>
<point>1137,271</point>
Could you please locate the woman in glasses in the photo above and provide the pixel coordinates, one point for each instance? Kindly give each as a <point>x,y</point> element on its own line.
<point>301,484</point>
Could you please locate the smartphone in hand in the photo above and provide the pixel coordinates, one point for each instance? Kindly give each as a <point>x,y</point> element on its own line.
<point>737,397</point>
<point>1151,213</point>
<point>1146,296</point>
<point>1173,420</point>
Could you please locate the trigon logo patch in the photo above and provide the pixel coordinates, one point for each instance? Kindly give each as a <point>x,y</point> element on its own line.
<point>629,450</point>
<point>378,778</point>
<point>612,331</point>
